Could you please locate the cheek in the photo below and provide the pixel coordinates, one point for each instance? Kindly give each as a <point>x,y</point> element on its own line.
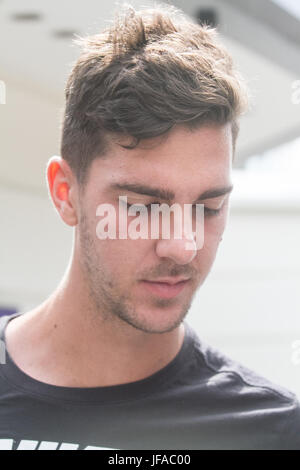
<point>213,230</point>
<point>122,258</point>
<point>114,242</point>
<point>214,226</point>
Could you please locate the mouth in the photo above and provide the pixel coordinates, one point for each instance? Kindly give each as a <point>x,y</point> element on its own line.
<point>165,289</point>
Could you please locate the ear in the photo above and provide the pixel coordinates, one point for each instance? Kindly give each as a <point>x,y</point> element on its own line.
<point>62,187</point>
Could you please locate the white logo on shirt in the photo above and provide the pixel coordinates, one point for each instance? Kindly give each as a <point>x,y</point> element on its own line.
<point>8,444</point>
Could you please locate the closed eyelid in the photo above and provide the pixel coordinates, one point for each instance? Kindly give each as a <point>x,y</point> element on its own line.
<point>213,199</point>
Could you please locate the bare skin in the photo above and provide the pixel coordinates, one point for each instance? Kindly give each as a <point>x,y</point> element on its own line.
<point>101,327</point>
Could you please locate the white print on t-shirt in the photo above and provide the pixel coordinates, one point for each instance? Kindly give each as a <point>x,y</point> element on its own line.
<point>8,444</point>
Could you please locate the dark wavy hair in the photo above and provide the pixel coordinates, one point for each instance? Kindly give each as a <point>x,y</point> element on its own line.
<point>150,70</point>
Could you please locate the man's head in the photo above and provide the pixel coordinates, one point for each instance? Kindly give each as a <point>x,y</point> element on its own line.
<point>152,106</point>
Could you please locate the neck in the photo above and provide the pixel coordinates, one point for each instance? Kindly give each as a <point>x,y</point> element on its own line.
<point>73,344</point>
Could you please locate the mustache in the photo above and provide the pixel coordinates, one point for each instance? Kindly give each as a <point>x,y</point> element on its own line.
<point>175,271</point>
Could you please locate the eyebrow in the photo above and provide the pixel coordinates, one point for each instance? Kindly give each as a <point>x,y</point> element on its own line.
<point>166,194</point>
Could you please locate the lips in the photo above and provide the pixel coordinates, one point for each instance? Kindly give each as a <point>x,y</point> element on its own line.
<point>165,289</point>
<point>168,280</point>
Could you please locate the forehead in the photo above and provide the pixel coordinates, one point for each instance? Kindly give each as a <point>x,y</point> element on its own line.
<point>181,160</point>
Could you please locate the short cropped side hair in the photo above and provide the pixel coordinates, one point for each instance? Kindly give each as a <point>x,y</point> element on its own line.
<point>148,71</point>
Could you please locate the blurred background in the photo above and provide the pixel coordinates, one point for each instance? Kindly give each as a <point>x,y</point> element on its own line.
<point>249,306</point>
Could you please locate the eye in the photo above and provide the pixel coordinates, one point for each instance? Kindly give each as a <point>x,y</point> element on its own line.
<point>208,212</point>
<point>211,212</point>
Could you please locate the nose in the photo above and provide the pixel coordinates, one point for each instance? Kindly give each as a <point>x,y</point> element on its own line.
<point>182,249</point>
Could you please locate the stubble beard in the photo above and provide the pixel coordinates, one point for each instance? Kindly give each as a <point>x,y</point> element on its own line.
<point>107,303</point>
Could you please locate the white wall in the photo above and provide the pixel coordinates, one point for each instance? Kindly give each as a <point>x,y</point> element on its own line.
<point>35,248</point>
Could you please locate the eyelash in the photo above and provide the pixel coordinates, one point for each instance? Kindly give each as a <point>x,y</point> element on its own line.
<point>207,211</point>
<point>212,212</point>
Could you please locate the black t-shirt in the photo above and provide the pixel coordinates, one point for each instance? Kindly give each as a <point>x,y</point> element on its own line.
<point>200,400</point>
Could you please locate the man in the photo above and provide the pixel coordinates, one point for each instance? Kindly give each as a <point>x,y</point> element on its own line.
<point>108,360</point>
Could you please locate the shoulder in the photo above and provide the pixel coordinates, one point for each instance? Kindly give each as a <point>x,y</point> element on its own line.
<point>218,366</point>
<point>245,394</point>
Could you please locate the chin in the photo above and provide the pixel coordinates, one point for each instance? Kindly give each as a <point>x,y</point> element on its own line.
<point>161,319</point>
